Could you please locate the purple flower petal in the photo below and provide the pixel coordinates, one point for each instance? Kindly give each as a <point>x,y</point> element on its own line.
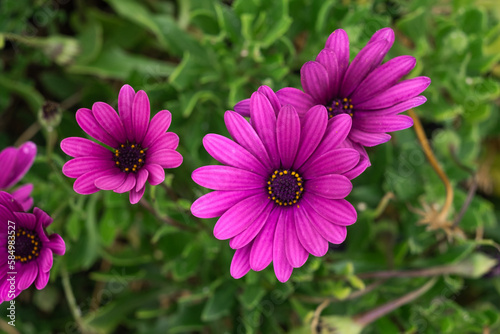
<point>364,62</point>
<point>56,243</point>
<point>227,178</point>
<point>315,81</point>
<point>110,182</point>
<point>383,34</point>
<point>282,267</point>
<point>310,239</point>
<point>288,135</point>
<point>336,132</point>
<point>167,140</point>
<point>261,254</point>
<point>313,129</point>
<point>135,196</point>
<point>27,276</point>
<point>79,166</point>
<point>6,215</point>
<point>398,93</point>
<point>264,121</point>
<point>362,165</point>
<point>142,177</point>
<point>127,185</point>
<point>41,280</point>
<point>382,123</point>
<point>125,102</point>
<point>80,147</point>
<point>89,124</point>
<point>394,110</point>
<point>158,126</point>
<point>245,237</point>
<point>333,233</point>
<point>9,202</point>
<point>45,260</point>
<point>328,59</point>
<point>41,232</point>
<point>239,217</point>
<point>24,157</point>
<point>295,252</point>
<point>230,153</point>
<point>330,186</point>
<point>166,158</point>
<point>216,203</point>
<point>243,108</point>
<point>42,217</point>
<point>244,134</point>
<point>156,174</point>
<point>271,96</point>
<point>367,138</point>
<point>84,184</point>
<point>22,195</point>
<point>382,78</point>
<point>108,119</point>
<point>8,158</point>
<point>140,115</point>
<point>27,220</point>
<point>336,211</point>
<point>240,264</point>
<point>336,161</point>
<point>297,98</point>
<point>339,42</point>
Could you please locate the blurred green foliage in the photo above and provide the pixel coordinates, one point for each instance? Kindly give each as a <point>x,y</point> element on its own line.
<point>130,272</point>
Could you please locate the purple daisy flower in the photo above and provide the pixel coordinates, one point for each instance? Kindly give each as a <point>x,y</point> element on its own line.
<point>140,149</point>
<point>16,163</point>
<point>30,257</point>
<point>367,91</point>
<point>280,192</point>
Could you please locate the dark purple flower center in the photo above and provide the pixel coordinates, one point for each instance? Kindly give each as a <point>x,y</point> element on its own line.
<point>129,157</point>
<point>285,187</point>
<point>340,106</point>
<point>27,246</point>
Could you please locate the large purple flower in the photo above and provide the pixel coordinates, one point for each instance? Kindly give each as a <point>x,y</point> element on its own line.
<point>140,149</point>
<point>280,192</point>
<point>367,91</point>
<point>26,250</point>
<point>15,164</point>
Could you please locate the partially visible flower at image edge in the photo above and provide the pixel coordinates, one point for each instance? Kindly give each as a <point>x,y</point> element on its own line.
<point>280,191</point>
<point>15,164</point>
<point>369,92</point>
<point>137,149</point>
<point>33,248</point>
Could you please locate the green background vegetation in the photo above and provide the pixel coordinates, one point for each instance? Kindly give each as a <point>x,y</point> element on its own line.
<point>131,272</point>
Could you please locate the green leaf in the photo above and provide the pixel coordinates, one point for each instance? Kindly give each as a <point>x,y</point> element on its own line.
<point>135,12</point>
<point>220,303</point>
<point>108,228</point>
<point>251,296</point>
<point>91,41</point>
<point>187,319</point>
<point>73,225</point>
<point>108,317</point>
<point>189,262</point>
<point>115,63</point>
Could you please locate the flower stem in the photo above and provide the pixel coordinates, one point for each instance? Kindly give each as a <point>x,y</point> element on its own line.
<point>419,130</point>
<point>382,205</point>
<point>165,219</point>
<point>366,318</point>
<point>354,295</point>
<point>426,272</point>
<point>28,133</point>
<point>70,297</point>
<point>8,329</point>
